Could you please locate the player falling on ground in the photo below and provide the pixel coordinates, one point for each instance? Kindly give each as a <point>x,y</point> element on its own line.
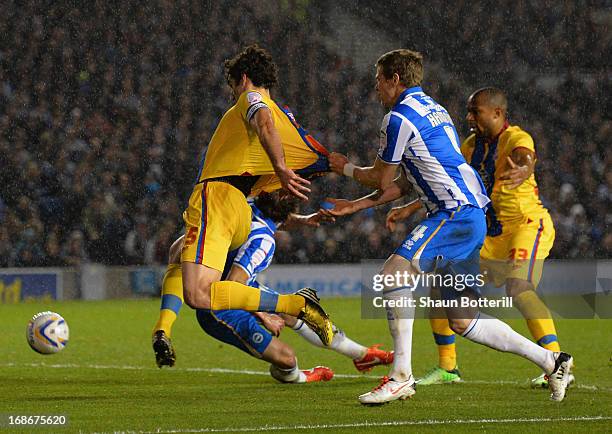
<point>419,135</point>
<point>245,330</point>
<point>256,145</point>
<point>520,231</point>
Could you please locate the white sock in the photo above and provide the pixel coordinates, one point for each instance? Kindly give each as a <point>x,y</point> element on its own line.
<point>292,375</point>
<point>346,346</point>
<point>498,335</point>
<point>401,320</point>
<point>304,331</point>
<point>341,343</point>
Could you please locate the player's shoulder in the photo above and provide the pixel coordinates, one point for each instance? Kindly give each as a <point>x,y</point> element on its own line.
<point>408,106</point>
<point>515,135</point>
<point>260,240</point>
<point>250,101</point>
<point>250,97</point>
<point>516,132</point>
<point>385,121</point>
<point>399,114</point>
<point>262,236</point>
<point>416,106</point>
<point>253,97</point>
<point>261,225</point>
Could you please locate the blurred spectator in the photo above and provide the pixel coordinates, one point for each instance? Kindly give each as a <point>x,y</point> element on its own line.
<point>74,253</point>
<point>139,245</point>
<point>52,254</point>
<point>105,113</point>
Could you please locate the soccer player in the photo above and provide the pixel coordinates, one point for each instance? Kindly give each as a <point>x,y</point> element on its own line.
<point>419,135</point>
<point>245,330</point>
<point>256,145</point>
<point>519,227</point>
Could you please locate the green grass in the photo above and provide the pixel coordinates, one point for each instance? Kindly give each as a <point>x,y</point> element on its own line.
<point>106,379</point>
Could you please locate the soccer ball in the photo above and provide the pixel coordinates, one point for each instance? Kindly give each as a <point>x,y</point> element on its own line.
<point>47,333</point>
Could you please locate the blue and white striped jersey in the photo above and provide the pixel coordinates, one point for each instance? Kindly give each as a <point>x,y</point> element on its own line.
<point>419,133</point>
<point>255,255</point>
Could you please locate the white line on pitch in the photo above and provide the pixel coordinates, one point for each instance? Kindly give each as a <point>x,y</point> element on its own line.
<point>378,424</point>
<point>249,372</point>
<point>144,368</point>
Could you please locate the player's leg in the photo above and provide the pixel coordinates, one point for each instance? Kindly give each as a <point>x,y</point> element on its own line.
<point>364,358</point>
<point>489,331</point>
<point>172,290</point>
<point>284,365</point>
<point>481,328</point>
<point>242,330</point>
<point>419,253</point>
<point>171,302</point>
<point>340,343</point>
<point>197,283</point>
<point>218,220</point>
<point>400,319</point>
<point>486,330</point>
<point>304,304</point>
<point>399,384</point>
<point>528,248</point>
<point>537,315</point>
<point>446,371</point>
<point>444,337</point>
<point>538,318</point>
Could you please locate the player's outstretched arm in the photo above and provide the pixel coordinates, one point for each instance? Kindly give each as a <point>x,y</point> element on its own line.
<point>521,164</point>
<point>299,220</point>
<point>344,207</point>
<point>270,139</point>
<point>377,176</point>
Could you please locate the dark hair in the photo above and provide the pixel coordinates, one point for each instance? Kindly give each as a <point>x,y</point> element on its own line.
<point>492,96</point>
<point>275,206</point>
<point>407,64</point>
<point>256,63</point>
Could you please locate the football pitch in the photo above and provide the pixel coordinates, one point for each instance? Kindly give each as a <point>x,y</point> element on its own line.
<point>106,380</point>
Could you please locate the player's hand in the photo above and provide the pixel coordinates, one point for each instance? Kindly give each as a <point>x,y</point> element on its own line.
<point>340,208</point>
<point>337,162</point>
<point>396,214</point>
<point>272,322</point>
<point>515,175</point>
<point>294,184</point>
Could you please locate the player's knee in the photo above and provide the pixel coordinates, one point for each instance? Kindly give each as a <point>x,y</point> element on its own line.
<point>196,299</point>
<point>514,287</point>
<point>396,264</point>
<point>459,326</point>
<point>196,288</point>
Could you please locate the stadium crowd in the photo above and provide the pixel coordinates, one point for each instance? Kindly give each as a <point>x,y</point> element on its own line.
<point>105,112</point>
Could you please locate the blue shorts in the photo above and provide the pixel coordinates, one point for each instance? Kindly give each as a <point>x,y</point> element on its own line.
<point>236,327</point>
<point>448,242</point>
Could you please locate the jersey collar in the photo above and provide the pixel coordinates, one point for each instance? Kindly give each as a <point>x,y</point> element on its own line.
<point>504,128</point>
<point>409,91</point>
